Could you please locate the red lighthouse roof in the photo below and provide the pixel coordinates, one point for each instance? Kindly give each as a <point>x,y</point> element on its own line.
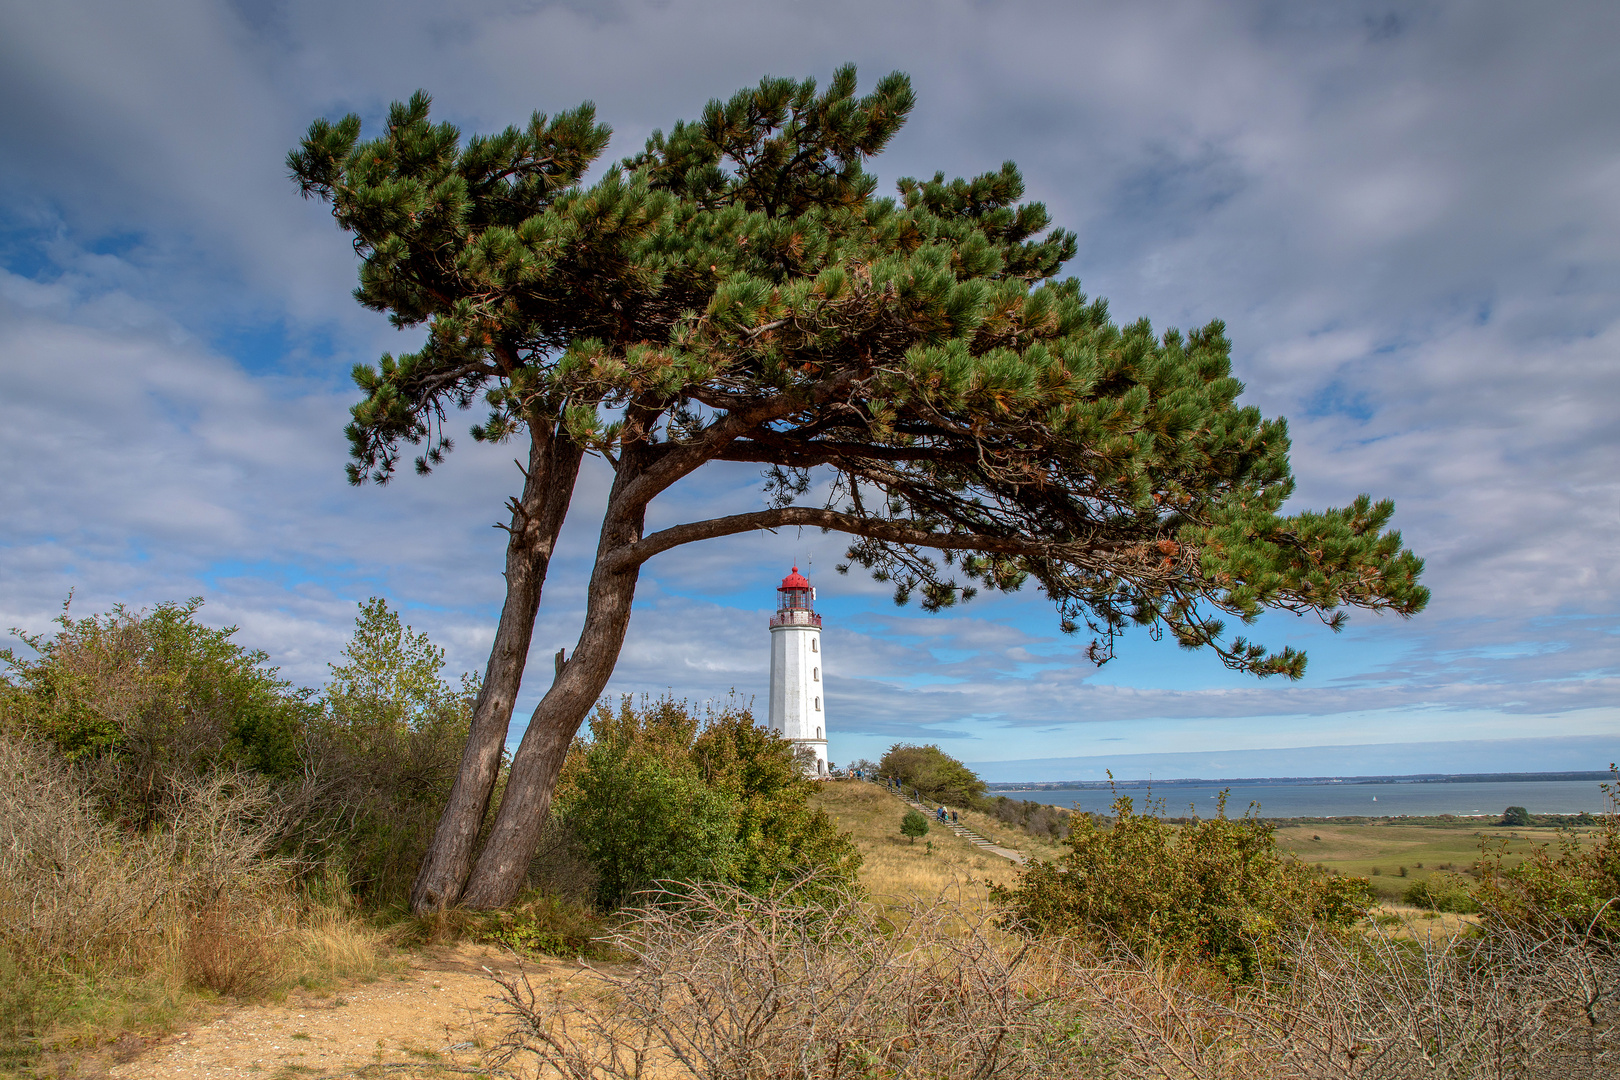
<point>795,580</point>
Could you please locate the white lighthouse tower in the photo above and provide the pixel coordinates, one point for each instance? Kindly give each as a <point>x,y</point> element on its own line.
<point>797,693</point>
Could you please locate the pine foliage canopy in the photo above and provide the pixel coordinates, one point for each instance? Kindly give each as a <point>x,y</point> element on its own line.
<point>739,291</point>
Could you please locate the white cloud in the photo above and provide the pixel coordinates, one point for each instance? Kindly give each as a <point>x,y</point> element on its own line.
<point>1407,221</point>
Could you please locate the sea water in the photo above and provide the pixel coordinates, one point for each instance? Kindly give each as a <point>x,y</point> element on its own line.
<point>1475,799</point>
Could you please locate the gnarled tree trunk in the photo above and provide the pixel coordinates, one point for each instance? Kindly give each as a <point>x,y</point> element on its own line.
<point>498,876</point>
<point>537,518</point>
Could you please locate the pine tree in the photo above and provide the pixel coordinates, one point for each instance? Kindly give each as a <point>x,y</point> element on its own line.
<point>739,292</point>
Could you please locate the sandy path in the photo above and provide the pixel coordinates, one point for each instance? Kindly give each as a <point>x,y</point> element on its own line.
<point>431,1020</point>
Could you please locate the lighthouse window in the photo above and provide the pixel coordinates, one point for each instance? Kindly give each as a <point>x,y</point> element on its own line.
<point>818,733</point>
<point>813,646</point>
<point>815,674</point>
<point>818,704</point>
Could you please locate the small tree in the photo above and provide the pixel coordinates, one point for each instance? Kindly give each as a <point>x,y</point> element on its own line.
<point>1516,815</point>
<point>384,751</point>
<point>913,825</point>
<point>933,773</point>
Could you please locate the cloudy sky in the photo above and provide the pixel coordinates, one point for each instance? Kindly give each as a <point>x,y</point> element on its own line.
<point>1407,214</point>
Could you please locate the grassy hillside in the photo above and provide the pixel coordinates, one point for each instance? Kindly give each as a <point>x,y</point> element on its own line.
<point>1391,853</point>
<point>893,866</point>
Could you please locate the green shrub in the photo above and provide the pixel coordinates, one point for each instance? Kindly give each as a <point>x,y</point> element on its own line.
<point>1038,819</point>
<point>1516,815</point>
<point>913,825</point>
<point>1442,892</point>
<point>933,773</point>
<point>1215,889</point>
<point>780,837</point>
<point>1571,888</point>
<point>641,817</point>
<point>382,754</point>
<point>550,925</point>
<point>660,793</point>
<point>145,702</point>
<point>148,705</point>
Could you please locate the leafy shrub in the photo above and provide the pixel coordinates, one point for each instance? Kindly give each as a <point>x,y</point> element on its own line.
<point>933,773</point>
<point>641,819</point>
<point>913,825</point>
<point>659,793</point>
<point>551,925</point>
<point>1214,889</point>
<point>1037,819</point>
<point>780,837</point>
<point>1572,888</point>
<point>148,705</point>
<point>148,701</point>
<point>1442,892</point>
<point>381,754</point>
<point>1516,815</point>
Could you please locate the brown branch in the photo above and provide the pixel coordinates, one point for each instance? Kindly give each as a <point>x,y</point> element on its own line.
<point>783,451</point>
<point>689,456</point>
<point>635,554</point>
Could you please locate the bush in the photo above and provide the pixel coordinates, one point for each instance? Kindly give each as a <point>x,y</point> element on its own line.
<point>551,925</point>
<point>933,773</point>
<point>727,984</point>
<point>381,755</point>
<point>913,825</point>
<point>90,908</point>
<point>642,818</point>
<point>1442,892</point>
<point>145,702</point>
<point>779,836</point>
<point>1570,889</point>
<point>1037,819</point>
<point>1215,889</point>
<point>148,705</point>
<point>659,793</point>
<point>1516,815</point>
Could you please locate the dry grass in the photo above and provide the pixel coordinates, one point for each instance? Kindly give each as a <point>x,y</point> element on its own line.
<point>993,828</point>
<point>916,983</point>
<point>104,929</point>
<point>1459,1007</point>
<point>727,985</point>
<point>892,866</point>
<point>731,985</point>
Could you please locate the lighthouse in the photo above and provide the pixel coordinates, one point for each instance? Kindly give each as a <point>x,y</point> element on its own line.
<point>798,697</point>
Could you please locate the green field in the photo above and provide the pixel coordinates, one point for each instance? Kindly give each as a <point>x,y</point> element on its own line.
<point>1395,852</point>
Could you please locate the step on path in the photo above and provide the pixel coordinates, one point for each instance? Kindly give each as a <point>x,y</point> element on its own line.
<point>966,833</point>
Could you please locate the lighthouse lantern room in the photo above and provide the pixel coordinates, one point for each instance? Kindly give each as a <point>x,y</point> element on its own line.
<point>797,695</point>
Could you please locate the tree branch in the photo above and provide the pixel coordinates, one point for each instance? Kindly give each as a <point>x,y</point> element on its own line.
<point>635,554</point>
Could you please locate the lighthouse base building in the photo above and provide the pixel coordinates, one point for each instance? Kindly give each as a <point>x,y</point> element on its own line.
<point>798,698</point>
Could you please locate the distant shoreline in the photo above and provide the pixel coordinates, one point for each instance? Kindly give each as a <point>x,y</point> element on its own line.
<point>1250,781</point>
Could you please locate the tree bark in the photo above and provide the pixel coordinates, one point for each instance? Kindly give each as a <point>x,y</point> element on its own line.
<point>498,876</point>
<point>537,518</point>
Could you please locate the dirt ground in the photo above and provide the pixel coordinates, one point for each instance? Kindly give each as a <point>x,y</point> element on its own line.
<point>433,1018</point>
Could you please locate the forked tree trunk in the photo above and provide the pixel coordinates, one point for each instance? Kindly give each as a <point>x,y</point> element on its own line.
<point>501,868</point>
<point>537,518</point>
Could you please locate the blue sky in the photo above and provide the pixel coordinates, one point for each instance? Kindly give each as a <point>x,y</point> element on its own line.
<point>1408,215</point>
